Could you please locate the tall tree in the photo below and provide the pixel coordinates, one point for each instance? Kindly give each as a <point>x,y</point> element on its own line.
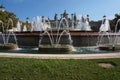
<point>4,17</point>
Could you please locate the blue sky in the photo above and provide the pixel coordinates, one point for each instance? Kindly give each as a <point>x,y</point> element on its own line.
<point>32,8</point>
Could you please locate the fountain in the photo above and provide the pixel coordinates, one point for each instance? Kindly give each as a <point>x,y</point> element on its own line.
<point>104,31</point>
<point>111,42</point>
<point>24,28</point>
<point>105,26</point>
<point>116,43</point>
<point>40,24</point>
<point>2,27</point>
<point>45,35</point>
<point>55,39</point>
<point>18,26</point>
<point>83,24</point>
<point>37,24</point>
<point>6,37</point>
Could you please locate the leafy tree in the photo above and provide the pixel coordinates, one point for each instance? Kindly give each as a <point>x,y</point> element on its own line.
<point>5,16</point>
<point>114,22</point>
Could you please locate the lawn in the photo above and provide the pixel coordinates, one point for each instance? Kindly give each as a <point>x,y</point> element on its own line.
<point>37,69</point>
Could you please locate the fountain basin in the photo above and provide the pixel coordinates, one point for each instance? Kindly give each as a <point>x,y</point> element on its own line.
<point>55,48</point>
<point>109,47</point>
<point>8,46</point>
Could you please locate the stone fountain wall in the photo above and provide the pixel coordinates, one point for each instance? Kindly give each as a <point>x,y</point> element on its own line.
<point>80,39</point>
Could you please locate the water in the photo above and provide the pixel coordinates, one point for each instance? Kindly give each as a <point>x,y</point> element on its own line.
<point>103,31</point>
<point>66,30</point>
<point>79,23</point>
<point>2,25</point>
<point>62,25</point>
<point>40,24</point>
<point>49,32</point>
<point>37,24</point>
<point>6,33</point>
<point>112,37</point>
<point>69,36</point>
<point>83,24</point>
<point>49,35</point>
<point>105,26</point>
<point>10,32</point>
<point>78,50</point>
<point>18,26</point>
<point>24,28</point>
<point>91,50</point>
<point>2,32</point>
<point>116,33</point>
<point>101,38</point>
<point>47,23</point>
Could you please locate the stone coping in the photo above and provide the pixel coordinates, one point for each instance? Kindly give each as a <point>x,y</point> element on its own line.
<point>61,56</point>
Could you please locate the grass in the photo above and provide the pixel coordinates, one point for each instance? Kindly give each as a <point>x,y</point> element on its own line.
<point>37,69</point>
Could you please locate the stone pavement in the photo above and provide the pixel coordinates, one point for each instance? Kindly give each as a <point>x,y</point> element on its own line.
<point>61,56</point>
